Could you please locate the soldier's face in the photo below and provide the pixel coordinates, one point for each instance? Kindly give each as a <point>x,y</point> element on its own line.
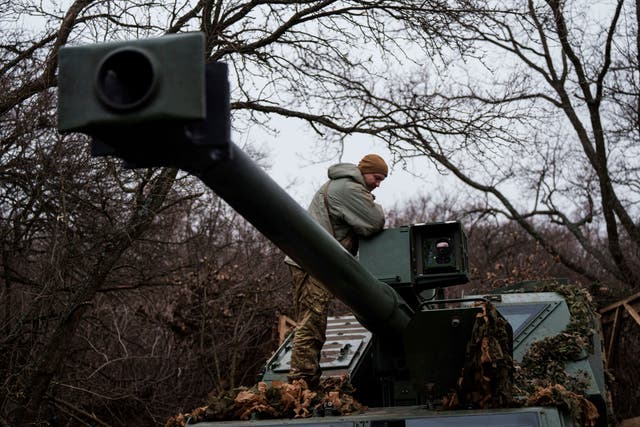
<point>373,180</point>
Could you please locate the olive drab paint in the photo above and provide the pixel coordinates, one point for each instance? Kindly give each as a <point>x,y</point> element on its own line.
<point>131,82</point>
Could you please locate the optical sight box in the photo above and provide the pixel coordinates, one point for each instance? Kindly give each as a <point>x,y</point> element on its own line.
<point>425,256</point>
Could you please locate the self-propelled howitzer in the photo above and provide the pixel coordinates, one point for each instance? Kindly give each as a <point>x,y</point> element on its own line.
<point>155,103</point>
<point>137,114</point>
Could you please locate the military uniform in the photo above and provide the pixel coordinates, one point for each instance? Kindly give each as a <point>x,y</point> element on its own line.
<point>346,209</point>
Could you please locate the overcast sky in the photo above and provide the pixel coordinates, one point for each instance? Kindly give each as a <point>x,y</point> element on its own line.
<point>297,167</point>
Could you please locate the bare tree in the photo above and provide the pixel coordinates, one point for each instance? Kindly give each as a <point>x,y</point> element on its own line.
<point>525,106</point>
<point>535,108</point>
<point>532,106</point>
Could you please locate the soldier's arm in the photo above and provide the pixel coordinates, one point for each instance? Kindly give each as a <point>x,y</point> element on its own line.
<point>358,209</point>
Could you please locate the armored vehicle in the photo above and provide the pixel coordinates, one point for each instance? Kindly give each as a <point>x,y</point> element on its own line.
<point>426,362</point>
<point>404,347</point>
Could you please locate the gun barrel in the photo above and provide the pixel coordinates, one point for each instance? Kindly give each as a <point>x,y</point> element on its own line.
<point>153,102</point>
<point>253,194</point>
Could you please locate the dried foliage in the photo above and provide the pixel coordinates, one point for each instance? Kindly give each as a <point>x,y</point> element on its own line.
<point>583,411</point>
<point>488,379</point>
<point>280,400</point>
<point>544,363</point>
<point>487,376</point>
<point>542,378</point>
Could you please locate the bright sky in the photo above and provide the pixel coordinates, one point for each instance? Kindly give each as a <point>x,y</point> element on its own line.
<point>293,166</point>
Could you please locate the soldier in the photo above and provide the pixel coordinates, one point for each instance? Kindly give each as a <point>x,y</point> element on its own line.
<point>345,207</point>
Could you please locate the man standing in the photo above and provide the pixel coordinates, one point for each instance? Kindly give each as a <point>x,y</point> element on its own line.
<point>345,207</point>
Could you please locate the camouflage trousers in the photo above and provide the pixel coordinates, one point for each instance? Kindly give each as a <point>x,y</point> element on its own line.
<point>311,304</point>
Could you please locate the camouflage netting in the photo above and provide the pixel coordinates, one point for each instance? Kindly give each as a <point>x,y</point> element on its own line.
<point>487,376</point>
<point>280,400</point>
<point>542,379</point>
<point>491,379</point>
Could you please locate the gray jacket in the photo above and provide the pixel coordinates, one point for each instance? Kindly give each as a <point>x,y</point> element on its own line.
<point>351,211</point>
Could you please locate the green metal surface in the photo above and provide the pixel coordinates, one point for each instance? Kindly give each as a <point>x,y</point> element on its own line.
<point>387,256</point>
<point>435,345</point>
<point>418,416</point>
<point>411,256</point>
<point>169,69</point>
<point>434,267</point>
<point>551,317</point>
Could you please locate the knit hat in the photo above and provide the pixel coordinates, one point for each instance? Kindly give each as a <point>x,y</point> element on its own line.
<point>372,163</point>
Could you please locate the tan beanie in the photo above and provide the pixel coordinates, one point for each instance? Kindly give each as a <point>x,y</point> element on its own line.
<point>372,163</point>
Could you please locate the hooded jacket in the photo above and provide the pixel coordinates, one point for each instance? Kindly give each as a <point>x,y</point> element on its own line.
<point>351,207</point>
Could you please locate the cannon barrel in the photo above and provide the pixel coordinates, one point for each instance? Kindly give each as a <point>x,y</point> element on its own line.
<point>153,102</point>
<point>253,194</point>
